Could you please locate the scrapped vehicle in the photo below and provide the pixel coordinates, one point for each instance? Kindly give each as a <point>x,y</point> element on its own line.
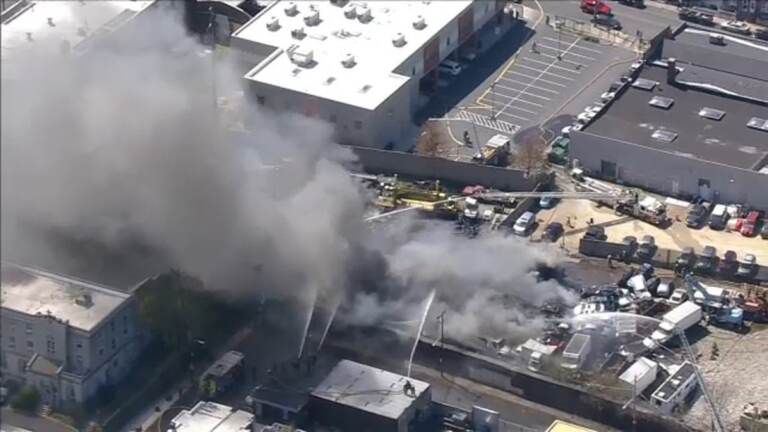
<point>685,261</point>
<point>749,226</point>
<point>747,266</point>
<point>595,6</point>
<point>764,231</point>
<point>665,288</point>
<point>707,261</point>
<point>553,231</point>
<point>630,245</point>
<point>729,264</point>
<point>647,248</point>
<point>607,21</point>
<point>596,232</point>
<point>678,296</point>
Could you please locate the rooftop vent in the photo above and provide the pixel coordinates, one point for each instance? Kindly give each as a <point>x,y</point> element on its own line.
<point>302,57</point>
<point>758,123</point>
<point>398,40</point>
<point>298,33</point>
<point>339,2</point>
<point>312,18</point>
<point>85,300</point>
<point>420,23</point>
<point>365,88</point>
<point>330,80</point>
<point>364,14</point>
<point>348,61</point>
<point>29,36</point>
<point>50,22</point>
<point>350,11</point>
<point>664,136</point>
<point>291,9</point>
<point>712,113</point>
<point>273,24</point>
<point>645,84</point>
<point>661,102</point>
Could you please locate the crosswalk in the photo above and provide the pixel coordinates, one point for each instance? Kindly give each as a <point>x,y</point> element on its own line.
<point>487,122</point>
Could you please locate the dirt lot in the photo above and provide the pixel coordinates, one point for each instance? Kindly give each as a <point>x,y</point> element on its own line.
<point>735,377</point>
<point>676,236</point>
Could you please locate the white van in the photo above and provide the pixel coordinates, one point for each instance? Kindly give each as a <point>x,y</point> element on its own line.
<point>719,217</point>
<point>524,223</point>
<point>450,67</point>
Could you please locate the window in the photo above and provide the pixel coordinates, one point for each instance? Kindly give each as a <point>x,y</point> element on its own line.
<point>79,362</point>
<point>101,351</point>
<point>12,342</point>
<point>358,124</point>
<point>3,363</point>
<point>30,346</point>
<point>112,325</point>
<point>448,41</point>
<point>79,345</point>
<point>333,118</point>
<point>704,182</point>
<point>50,345</point>
<point>260,100</point>
<point>22,364</point>
<point>29,328</point>
<point>114,344</point>
<point>413,71</point>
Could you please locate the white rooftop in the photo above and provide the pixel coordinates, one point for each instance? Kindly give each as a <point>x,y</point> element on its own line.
<point>213,417</point>
<point>34,292</point>
<point>640,371</point>
<point>46,24</point>
<point>368,388</point>
<point>338,33</point>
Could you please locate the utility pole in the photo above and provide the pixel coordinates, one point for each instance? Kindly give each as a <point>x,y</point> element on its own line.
<point>441,318</point>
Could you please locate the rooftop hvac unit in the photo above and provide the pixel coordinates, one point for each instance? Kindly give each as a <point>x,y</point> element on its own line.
<point>312,18</point>
<point>350,11</point>
<point>291,9</point>
<point>302,57</point>
<point>298,33</point>
<point>420,23</point>
<point>364,14</point>
<point>398,40</point>
<point>273,24</point>
<point>348,61</point>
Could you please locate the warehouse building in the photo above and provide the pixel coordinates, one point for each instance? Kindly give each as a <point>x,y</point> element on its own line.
<point>356,397</point>
<point>65,336</point>
<point>694,123</point>
<point>359,65</point>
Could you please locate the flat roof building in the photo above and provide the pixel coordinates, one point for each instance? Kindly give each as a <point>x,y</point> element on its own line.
<point>357,397</point>
<point>699,128</point>
<point>355,64</point>
<point>213,417</point>
<point>676,388</point>
<point>67,336</point>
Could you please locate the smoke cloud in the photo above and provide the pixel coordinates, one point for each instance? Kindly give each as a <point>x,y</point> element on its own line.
<point>116,165</point>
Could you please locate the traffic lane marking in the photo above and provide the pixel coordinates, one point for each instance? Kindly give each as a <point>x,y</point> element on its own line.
<point>568,53</point>
<point>582,65</point>
<point>576,46</point>
<point>504,113</point>
<point>571,70</point>
<point>548,73</point>
<point>540,79</point>
<point>525,101</point>
<point>531,85</point>
<point>519,92</point>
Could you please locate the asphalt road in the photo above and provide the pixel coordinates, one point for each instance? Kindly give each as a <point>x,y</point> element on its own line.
<point>557,78</point>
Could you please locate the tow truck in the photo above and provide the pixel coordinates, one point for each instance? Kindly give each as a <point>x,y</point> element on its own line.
<point>715,302</point>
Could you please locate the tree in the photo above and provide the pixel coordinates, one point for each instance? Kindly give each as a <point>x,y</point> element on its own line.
<point>429,139</point>
<point>27,399</point>
<point>532,154</point>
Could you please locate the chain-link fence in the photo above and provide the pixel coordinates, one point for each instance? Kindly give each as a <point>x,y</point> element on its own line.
<point>595,33</point>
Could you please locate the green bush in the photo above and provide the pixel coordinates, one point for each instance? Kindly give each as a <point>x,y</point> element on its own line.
<point>27,399</point>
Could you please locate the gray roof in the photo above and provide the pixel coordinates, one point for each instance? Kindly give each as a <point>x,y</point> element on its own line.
<point>741,85</point>
<point>225,363</point>
<point>368,388</point>
<point>213,417</point>
<point>747,58</point>
<point>37,292</point>
<point>728,141</point>
<point>666,390</point>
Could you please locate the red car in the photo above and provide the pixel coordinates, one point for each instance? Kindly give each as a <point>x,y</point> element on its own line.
<point>595,7</point>
<point>749,226</point>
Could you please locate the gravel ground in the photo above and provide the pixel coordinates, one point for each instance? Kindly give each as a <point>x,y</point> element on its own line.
<point>735,377</point>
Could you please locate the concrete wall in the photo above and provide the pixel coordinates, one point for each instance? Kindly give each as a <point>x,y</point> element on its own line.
<point>669,173</point>
<point>375,161</point>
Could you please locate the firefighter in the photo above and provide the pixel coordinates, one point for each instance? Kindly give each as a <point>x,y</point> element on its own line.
<point>610,260</point>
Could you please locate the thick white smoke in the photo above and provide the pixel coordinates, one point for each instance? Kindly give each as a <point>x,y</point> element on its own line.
<point>116,165</point>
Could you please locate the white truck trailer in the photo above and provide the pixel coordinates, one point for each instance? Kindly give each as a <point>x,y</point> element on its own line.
<point>576,351</point>
<point>681,318</point>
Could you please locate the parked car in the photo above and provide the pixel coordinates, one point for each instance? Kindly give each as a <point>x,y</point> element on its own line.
<point>750,224</point>
<point>747,266</point>
<point>716,39</point>
<point>630,243</point>
<point>696,215</point>
<point>665,288</point>
<point>761,34</point>
<point>524,223</point>
<point>547,201</point>
<point>606,21</point>
<point>553,231</point>
<point>607,96</point>
<point>596,232</point>
<point>685,261</point>
<point>707,260</point>
<point>729,264</point>
<point>719,217</point>
<point>739,27</point>
<point>450,67</point>
<point>595,6</point>
<point>647,248</point>
<point>468,57</point>
<point>764,231</point>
